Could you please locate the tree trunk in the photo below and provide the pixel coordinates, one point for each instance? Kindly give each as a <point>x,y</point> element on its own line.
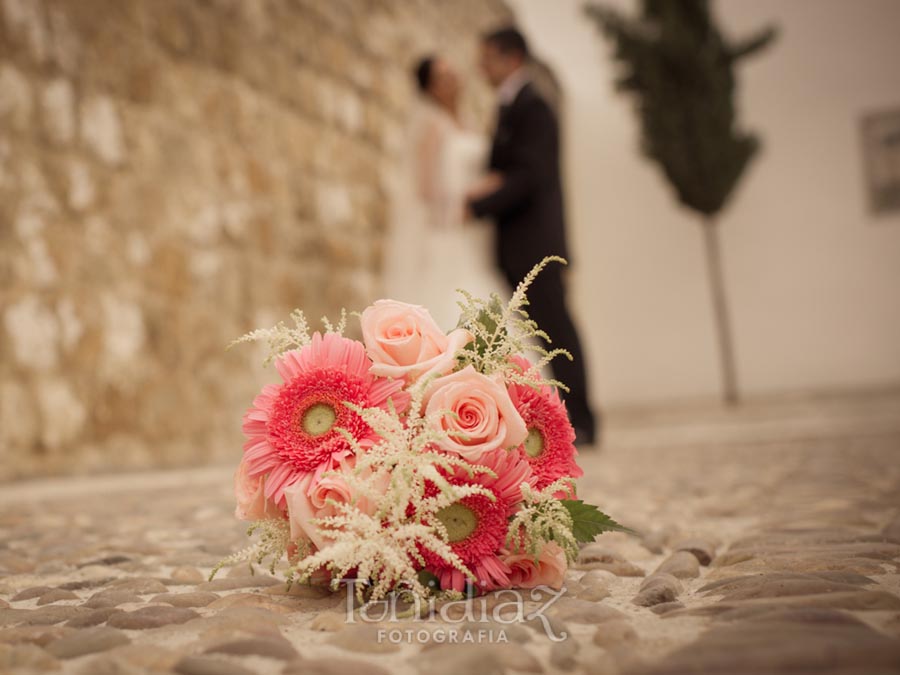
<point>720,311</point>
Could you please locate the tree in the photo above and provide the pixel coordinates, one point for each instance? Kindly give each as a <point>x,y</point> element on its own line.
<point>680,70</point>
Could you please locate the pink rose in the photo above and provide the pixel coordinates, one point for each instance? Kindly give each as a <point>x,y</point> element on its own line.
<point>251,500</point>
<point>548,570</point>
<point>483,417</point>
<point>307,500</point>
<point>404,342</point>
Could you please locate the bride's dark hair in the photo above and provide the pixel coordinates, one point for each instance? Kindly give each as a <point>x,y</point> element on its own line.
<point>422,72</point>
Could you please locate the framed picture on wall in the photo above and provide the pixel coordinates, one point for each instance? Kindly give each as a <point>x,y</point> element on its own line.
<point>881,154</point>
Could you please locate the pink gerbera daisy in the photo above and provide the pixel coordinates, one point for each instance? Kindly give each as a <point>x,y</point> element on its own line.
<point>292,428</point>
<point>477,525</point>
<point>550,445</point>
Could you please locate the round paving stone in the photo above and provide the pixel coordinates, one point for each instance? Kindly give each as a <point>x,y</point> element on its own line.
<point>270,647</point>
<point>151,617</point>
<point>56,595</point>
<point>201,665</point>
<point>198,599</point>
<point>680,564</point>
<point>87,641</point>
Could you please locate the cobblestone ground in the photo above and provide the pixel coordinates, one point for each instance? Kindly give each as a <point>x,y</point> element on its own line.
<point>771,543</point>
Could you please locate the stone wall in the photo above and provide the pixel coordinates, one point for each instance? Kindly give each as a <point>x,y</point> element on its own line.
<point>172,174</point>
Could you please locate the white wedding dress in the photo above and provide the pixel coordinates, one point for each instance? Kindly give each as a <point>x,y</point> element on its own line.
<point>431,252</point>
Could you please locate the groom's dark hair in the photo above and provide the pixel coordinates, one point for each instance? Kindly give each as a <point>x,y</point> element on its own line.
<point>422,72</point>
<point>507,40</point>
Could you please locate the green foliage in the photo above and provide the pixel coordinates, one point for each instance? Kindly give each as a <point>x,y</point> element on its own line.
<point>503,330</point>
<point>680,70</point>
<point>588,521</point>
<point>567,522</point>
<point>488,319</point>
<point>543,518</point>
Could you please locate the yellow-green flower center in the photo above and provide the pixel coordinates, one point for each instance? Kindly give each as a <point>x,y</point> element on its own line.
<point>318,419</point>
<point>459,520</point>
<point>534,444</point>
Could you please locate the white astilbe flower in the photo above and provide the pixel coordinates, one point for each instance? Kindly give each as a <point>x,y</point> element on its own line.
<point>384,549</point>
<point>282,338</point>
<point>383,555</point>
<point>543,518</point>
<point>341,325</point>
<point>274,539</point>
<point>505,330</point>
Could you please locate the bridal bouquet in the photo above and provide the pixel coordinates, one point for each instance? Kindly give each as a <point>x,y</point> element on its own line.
<point>416,461</point>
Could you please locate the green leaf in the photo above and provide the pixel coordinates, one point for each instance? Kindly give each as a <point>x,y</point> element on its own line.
<point>486,318</point>
<point>588,521</point>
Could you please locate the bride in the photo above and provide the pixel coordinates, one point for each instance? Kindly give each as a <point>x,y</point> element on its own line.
<point>432,249</point>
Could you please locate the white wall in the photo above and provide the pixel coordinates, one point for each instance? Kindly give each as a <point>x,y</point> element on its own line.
<point>814,279</point>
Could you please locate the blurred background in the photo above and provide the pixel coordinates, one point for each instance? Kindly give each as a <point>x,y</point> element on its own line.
<point>812,271</point>
<point>174,173</point>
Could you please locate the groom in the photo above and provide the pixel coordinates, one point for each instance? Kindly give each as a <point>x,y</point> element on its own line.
<point>528,208</point>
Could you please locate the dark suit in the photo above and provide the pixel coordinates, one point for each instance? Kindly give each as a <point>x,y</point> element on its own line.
<point>528,211</point>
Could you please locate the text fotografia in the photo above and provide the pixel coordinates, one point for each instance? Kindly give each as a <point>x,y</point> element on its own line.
<point>508,607</point>
<point>443,636</point>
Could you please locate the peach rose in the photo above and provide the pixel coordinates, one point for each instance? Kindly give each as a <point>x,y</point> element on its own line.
<point>548,570</point>
<point>483,416</point>
<point>404,342</point>
<point>251,500</point>
<point>308,499</point>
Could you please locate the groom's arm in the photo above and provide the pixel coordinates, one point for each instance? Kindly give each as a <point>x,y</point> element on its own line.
<point>532,149</point>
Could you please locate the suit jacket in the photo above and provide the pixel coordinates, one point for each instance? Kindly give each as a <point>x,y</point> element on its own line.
<point>528,208</point>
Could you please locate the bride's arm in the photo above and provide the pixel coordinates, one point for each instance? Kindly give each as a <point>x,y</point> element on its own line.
<point>487,184</point>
